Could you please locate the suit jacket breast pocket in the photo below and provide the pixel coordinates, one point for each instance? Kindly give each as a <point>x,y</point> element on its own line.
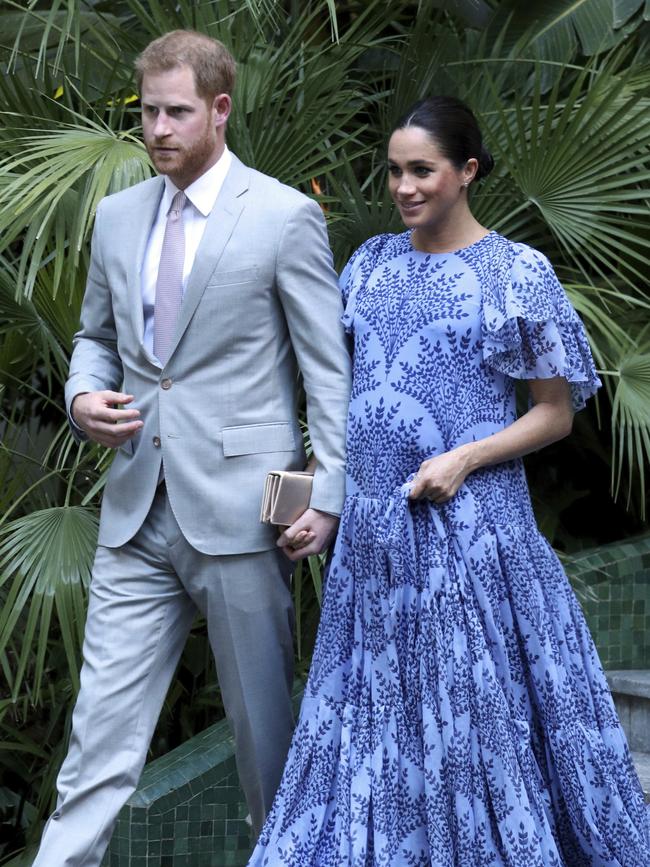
<point>237,301</point>
<point>233,278</point>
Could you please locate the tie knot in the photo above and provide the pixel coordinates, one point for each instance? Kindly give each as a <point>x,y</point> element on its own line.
<point>177,205</point>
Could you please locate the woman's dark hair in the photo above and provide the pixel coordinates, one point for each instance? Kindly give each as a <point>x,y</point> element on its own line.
<point>454,129</point>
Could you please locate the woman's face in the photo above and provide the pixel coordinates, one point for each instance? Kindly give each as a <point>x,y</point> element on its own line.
<point>425,185</point>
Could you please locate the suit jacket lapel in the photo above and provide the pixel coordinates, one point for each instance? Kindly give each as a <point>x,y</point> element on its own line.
<point>137,236</point>
<point>219,227</point>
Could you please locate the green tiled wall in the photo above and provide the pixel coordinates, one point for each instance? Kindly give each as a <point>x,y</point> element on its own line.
<point>189,811</point>
<point>617,603</point>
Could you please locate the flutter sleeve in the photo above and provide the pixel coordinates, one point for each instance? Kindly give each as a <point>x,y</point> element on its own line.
<point>356,272</point>
<point>529,328</point>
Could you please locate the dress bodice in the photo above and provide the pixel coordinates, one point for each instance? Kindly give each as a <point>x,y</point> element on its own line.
<point>439,341</point>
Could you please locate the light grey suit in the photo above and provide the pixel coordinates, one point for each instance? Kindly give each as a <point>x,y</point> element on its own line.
<point>261,303</point>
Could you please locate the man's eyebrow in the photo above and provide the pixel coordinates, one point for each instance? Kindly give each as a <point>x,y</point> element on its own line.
<point>166,105</point>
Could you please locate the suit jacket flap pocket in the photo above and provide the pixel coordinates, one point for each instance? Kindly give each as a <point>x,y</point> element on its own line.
<point>253,439</point>
<point>230,278</point>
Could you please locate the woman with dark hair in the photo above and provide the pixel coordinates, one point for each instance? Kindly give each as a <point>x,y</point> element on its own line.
<point>456,713</point>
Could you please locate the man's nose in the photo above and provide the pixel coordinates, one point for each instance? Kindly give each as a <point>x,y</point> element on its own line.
<point>161,125</point>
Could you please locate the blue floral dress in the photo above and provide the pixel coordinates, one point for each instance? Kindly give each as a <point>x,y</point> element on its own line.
<point>456,714</point>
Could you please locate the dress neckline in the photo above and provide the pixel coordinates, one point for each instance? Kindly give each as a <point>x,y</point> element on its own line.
<point>414,249</point>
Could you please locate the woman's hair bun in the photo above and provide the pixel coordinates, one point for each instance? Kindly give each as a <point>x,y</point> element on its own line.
<point>485,164</point>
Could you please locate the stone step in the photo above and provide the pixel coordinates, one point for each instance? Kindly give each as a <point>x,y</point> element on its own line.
<point>631,692</point>
<point>635,681</point>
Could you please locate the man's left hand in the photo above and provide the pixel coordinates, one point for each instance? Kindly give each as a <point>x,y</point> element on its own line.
<point>310,534</point>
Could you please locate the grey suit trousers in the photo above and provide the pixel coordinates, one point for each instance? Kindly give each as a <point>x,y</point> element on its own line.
<point>143,598</point>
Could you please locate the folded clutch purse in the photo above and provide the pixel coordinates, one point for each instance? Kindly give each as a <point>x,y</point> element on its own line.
<point>286,496</point>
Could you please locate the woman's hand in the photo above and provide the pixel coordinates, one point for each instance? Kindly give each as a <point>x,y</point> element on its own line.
<point>440,477</point>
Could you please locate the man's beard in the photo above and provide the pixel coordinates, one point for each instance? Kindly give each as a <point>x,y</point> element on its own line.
<point>186,161</point>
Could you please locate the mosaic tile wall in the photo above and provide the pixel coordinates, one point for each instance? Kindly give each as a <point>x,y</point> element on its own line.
<point>617,606</point>
<point>189,811</point>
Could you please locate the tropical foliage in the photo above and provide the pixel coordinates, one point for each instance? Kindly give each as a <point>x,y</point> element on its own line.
<point>562,90</point>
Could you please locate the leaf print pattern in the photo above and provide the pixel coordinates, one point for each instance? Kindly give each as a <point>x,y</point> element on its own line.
<point>382,447</point>
<point>398,303</point>
<point>456,713</point>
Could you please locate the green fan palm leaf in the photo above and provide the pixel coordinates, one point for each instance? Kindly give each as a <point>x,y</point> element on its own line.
<point>45,201</point>
<point>578,164</point>
<point>631,414</point>
<point>56,176</point>
<point>557,26</point>
<point>45,564</point>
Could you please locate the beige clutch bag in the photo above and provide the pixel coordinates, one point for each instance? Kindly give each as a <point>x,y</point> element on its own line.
<point>286,496</point>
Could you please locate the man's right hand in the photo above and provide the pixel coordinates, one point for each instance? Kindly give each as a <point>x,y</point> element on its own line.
<point>95,413</point>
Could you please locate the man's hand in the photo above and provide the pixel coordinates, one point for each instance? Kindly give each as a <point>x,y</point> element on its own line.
<point>310,534</point>
<point>95,413</point>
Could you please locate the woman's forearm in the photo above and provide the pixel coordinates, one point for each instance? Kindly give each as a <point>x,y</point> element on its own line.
<point>550,419</point>
<point>542,425</point>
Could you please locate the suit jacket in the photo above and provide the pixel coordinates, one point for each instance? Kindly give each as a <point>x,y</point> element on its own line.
<point>261,303</point>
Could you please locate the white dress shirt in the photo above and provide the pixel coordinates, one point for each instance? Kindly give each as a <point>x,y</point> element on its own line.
<point>201,195</point>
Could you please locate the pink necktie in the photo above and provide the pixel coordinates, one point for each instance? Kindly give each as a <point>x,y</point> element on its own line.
<point>169,285</point>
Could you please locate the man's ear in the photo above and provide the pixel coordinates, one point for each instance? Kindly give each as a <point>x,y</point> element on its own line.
<point>221,107</point>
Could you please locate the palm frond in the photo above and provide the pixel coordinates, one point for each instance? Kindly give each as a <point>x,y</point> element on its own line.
<point>45,566</point>
<point>558,25</point>
<point>365,209</point>
<point>56,182</point>
<point>476,13</point>
<point>298,91</point>
<point>579,162</point>
<point>38,330</point>
<point>605,313</point>
<point>631,418</point>
<point>69,34</point>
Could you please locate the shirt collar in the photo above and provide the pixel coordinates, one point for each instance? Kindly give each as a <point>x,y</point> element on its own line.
<point>203,192</point>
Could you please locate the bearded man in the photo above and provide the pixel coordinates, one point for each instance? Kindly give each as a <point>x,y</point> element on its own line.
<point>210,288</point>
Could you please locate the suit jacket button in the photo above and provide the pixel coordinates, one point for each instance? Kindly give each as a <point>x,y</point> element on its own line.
<point>156,442</point>
<point>166,384</point>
